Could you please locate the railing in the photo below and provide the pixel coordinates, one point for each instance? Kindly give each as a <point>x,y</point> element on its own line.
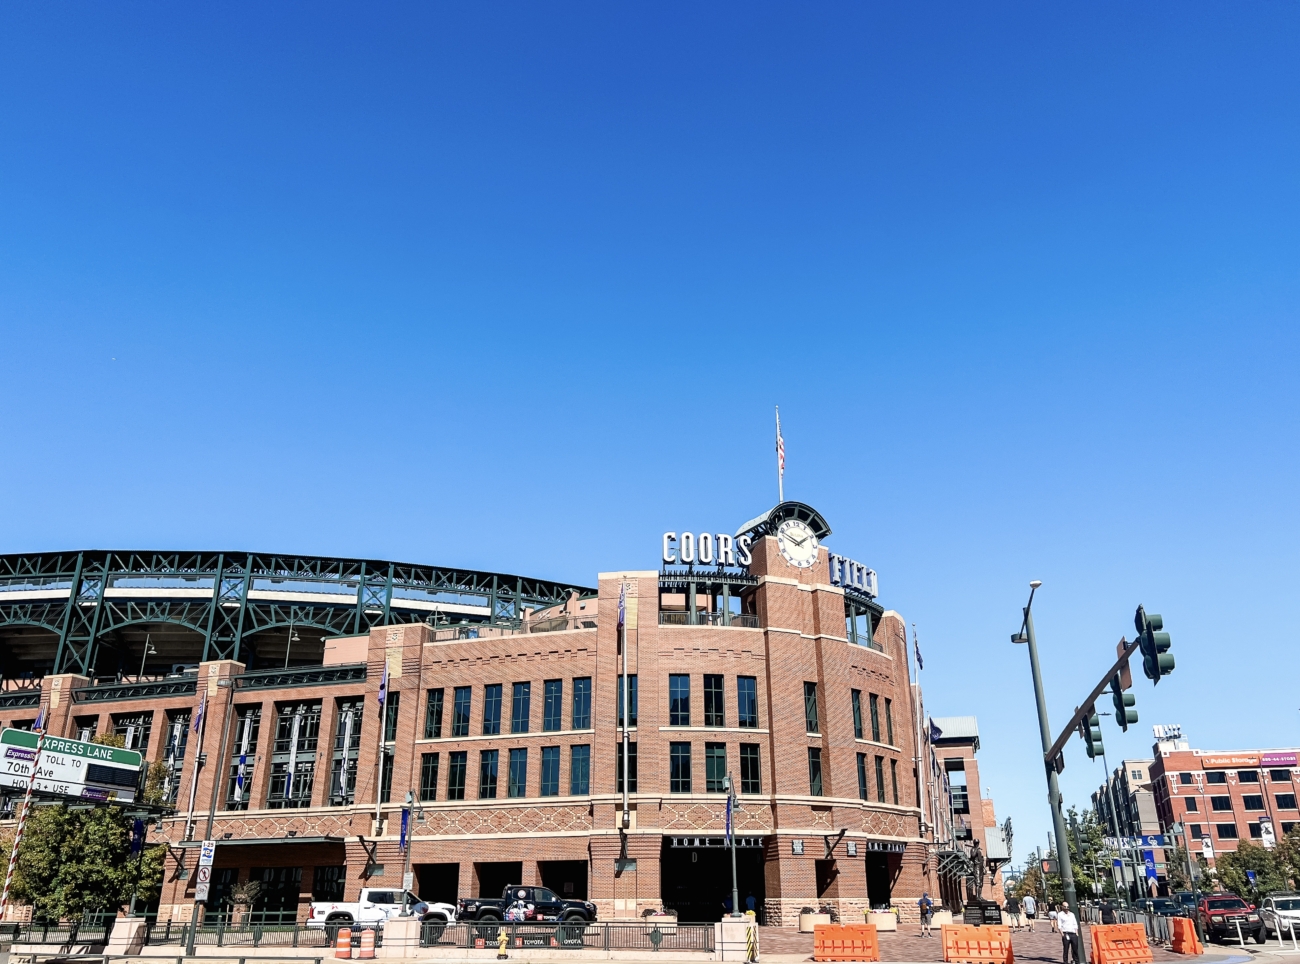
<point>668,936</point>
<point>548,624</point>
<point>20,699</point>
<point>59,932</point>
<point>295,677</point>
<point>740,620</point>
<point>223,934</point>
<point>183,685</point>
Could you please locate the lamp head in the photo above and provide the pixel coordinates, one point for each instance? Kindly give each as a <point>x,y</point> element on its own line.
<point>1035,584</point>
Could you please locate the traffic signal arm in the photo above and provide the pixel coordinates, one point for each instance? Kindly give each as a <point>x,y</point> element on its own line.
<point>1086,708</point>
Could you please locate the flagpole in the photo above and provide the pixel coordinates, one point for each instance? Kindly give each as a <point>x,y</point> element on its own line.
<point>22,818</point>
<point>198,752</point>
<point>379,758</point>
<point>780,460</point>
<point>916,722</point>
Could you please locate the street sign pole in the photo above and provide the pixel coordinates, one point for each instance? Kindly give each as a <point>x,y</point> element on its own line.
<point>22,823</point>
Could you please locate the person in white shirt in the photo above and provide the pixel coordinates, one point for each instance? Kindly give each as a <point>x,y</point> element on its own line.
<point>1031,907</point>
<point>1069,927</point>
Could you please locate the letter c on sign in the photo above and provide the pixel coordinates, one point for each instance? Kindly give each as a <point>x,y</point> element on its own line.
<point>669,555</point>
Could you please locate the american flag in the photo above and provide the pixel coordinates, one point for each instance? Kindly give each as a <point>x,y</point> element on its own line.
<point>780,446</point>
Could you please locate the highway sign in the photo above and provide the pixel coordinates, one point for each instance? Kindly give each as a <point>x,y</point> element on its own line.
<point>72,768</point>
<point>207,853</point>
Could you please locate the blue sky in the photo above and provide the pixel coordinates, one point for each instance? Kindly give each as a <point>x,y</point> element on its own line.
<point>516,287</point>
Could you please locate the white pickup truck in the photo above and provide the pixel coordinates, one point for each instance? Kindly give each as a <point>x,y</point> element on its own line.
<point>377,904</point>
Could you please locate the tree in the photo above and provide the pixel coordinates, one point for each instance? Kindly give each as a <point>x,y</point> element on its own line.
<point>1232,869</point>
<point>76,862</point>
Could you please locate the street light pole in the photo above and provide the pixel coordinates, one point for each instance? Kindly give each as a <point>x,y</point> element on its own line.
<point>730,787</point>
<point>1053,786</point>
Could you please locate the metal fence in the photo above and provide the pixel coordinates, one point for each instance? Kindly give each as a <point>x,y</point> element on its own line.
<point>252,935</point>
<point>577,934</point>
<point>92,931</point>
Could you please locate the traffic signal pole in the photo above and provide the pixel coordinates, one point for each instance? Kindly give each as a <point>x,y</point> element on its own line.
<point>1053,786</point>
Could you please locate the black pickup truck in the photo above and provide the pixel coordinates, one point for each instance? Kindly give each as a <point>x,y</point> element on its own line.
<point>523,903</point>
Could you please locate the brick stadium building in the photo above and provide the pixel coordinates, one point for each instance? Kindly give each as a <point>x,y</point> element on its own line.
<point>759,655</point>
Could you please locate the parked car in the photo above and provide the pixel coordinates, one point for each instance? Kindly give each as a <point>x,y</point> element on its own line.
<point>377,905</point>
<point>1188,900</point>
<point>1159,906</point>
<point>519,902</point>
<point>1221,915</point>
<point>1280,913</point>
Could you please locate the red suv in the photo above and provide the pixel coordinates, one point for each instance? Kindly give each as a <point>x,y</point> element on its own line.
<point>1223,914</point>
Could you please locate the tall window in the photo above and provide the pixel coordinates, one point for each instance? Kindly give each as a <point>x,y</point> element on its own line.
<point>747,700</point>
<point>893,779</point>
<point>1285,801</point>
<point>429,776</point>
<point>880,779</point>
<point>679,700</point>
<point>582,703</point>
<point>133,728</point>
<point>875,717</point>
<point>457,763</point>
<point>518,773</point>
<point>750,779</point>
<point>1216,776</point>
<point>580,770</point>
<point>552,705</point>
<point>815,771</point>
<point>521,702</point>
<point>392,709</point>
<point>293,755</point>
<point>631,767</point>
<point>713,711</point>
<point>178,731</point>
<point>433,715</point>
<point>715,767</point>
<point>1221,803</point>
<point>550,771</point>
<point>889,721</point>
<point>243,755</point>
<point>460,711</point>
<point>631,699</point>
<point>347,748</point>
<point>487,775</point>
<point>492,709</point>
<point>1191,804</point>
<point>1226,831</point>
<point>857,714</point>
<point>810,716</point>
<point>679,767</point>
<point>1253,801</point>
<point>862,776</point>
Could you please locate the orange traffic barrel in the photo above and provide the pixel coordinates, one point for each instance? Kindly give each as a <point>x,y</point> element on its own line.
<point>367,944</point>
<point>343,943</point>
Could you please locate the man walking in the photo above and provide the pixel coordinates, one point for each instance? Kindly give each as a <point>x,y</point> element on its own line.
<point>1069,927</point>
<point>926,906</point>
<point>1013,912</point>
<point>1031,908</point>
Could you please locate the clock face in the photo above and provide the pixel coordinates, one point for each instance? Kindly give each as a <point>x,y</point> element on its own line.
<point>798,543</point>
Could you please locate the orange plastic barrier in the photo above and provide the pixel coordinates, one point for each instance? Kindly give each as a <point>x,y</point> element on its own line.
<point>1120,944</point>
<point>343,945</point>
<point>367,945</point>
<point>845,942</point>
<point>986,944</point>
<point>1185,940</point>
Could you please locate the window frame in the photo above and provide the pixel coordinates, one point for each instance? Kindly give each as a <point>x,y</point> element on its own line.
<point>856,698</point>
<point>715,767</point>
<point>581,701</point>
<point>552,705</point>
<point>751,782</point>
<point>489,763</point>
<point>815,784</point>
<point>715,711</point>
<point>550,772</point>
<point>521,706</point>
<point>492,696</point>
<point>429,776</point>
<point>679,767</point>
<point>462,710</point>
<point>679,699</point>
<point>745,721</point>
<point>433,706</point>
<point>517,773</point>
<point>812,719</point>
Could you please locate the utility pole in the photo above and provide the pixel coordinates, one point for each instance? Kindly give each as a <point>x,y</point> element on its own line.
<point>1026,635</point>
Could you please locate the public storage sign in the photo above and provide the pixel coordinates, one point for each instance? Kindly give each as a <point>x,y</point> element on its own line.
<point>70,768</point>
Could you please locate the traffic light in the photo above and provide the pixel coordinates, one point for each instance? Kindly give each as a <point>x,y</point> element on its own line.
<point>1090,730</point>
<point>1157,661</point>
<point>1124,712</point>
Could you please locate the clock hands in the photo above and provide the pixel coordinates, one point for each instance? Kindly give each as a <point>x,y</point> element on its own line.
<point>797,542</point>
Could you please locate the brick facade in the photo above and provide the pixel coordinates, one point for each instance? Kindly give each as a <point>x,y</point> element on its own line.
<point>572,840</point>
